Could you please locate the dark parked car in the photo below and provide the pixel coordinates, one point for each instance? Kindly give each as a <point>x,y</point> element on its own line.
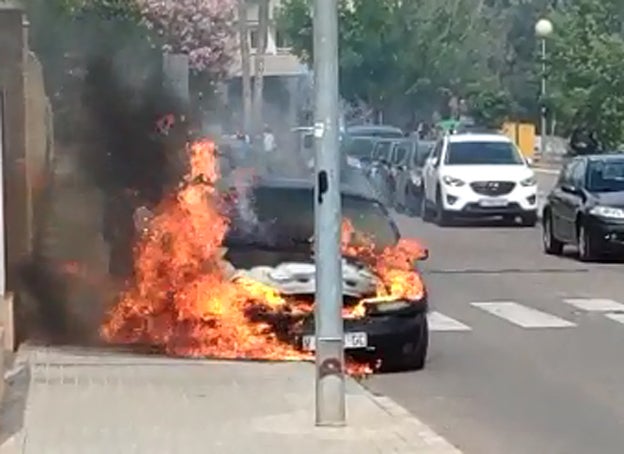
<point>273,245</point>
<point>408,159</point>
<point>586,207</point>
<point>379,170</point>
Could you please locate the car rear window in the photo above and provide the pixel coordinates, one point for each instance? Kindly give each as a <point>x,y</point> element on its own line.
<point>483,153</point>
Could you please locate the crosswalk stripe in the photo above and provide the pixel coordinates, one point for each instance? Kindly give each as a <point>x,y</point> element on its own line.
<point>441,322</point>
<point>595,304</point>
<point>616,317</point>
<point>523,316</point>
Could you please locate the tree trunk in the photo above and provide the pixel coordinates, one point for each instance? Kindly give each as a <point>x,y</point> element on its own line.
<point>263,24</point>
<point>243,31</point>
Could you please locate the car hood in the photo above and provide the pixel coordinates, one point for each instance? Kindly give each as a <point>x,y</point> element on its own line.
<point>299,278</point>
<point>472,173</point>
<point>612,199</point>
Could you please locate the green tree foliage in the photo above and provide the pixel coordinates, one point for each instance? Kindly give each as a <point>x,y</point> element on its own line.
<point>586,68</point>
<point>417,54</point>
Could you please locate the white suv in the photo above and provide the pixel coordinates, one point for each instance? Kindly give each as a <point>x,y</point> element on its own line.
<point>478,175</point>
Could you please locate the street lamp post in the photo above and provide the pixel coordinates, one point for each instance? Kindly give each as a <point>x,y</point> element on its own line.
<point>543,29</point>
<point>330,384</point>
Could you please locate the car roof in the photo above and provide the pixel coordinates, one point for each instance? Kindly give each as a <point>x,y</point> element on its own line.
<point>603,157</point>
<point>373,128</point>
<point>273,182</point>
<point>468,137</point>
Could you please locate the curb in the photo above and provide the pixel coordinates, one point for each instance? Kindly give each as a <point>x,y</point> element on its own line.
<point>414,430</point>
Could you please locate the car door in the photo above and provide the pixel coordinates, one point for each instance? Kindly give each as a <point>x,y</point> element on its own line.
<point>574,197</point>
<point>562,201</point>
<point>402,154</point>
<point>430,171</point>
<point>556,202</point>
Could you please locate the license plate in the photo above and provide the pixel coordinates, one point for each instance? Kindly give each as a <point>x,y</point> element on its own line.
<point>493,203</point>
<point>351,341</point>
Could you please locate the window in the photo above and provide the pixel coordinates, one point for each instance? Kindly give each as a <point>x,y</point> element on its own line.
<point>483,153</point>
<point>421,154</point>
<point>360,148</point>
<point>400,153</point>
<point>606,176</point>
<point>437,150</point>
<point>253,38</point>
<point>565,177</point>
<point>382,151</point>
<point>578,175</point>
<point>281,42</point>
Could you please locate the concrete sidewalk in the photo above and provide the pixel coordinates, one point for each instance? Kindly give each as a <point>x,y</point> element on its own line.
<point>81,401</point>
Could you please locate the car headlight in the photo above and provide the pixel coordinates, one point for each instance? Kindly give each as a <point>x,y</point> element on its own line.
<point>527,182</point>
<point>451,181</point>
<point>607,212</point>
<point>379,306</point>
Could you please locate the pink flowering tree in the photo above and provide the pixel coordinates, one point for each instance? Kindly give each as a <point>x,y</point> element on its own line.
<point>202,29</point>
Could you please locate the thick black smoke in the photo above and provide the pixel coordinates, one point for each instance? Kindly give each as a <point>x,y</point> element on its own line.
<point>105,80</point>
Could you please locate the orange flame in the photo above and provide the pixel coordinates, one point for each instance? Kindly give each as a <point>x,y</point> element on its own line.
<point>184,301</point>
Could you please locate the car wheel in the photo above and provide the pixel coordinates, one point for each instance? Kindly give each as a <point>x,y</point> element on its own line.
<point>416,359</point>
<point>529,220</point>
<point>551,244</point>
<point>442,216</point>
<point>586,245</point>
<point>425,212</point>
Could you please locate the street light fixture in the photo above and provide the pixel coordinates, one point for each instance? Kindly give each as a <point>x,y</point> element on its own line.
<point>543,29</point>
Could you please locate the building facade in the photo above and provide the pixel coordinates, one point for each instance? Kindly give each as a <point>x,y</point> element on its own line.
<point>286,79</point>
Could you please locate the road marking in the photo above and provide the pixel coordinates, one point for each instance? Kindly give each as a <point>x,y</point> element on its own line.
<point>595,304</point>
<point>523,316</point>
<point>616,317</point>
<point>441,322</point>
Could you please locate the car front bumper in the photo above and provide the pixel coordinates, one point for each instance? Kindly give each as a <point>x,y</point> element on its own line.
<point>388,336</point>
<point>607,234</point>
<point>465,202</point>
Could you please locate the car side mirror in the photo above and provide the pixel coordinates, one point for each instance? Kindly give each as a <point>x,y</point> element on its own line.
<point>529,161</point>
<point>569,188</point>
<point>435,162</point>
<point>425,255</point>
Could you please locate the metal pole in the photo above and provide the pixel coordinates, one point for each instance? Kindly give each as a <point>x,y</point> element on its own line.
<point>330,385</point>
<point>543,103</point>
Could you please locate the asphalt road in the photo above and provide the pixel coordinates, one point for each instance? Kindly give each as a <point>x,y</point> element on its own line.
<point>526,349</point>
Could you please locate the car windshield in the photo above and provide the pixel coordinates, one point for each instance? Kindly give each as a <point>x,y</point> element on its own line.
<point>359,148</point>
<point>606,176</point>
<point>284,217</point>
<point>483,153</point>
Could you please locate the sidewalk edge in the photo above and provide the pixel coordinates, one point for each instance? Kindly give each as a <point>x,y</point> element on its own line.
<point>433,441</point>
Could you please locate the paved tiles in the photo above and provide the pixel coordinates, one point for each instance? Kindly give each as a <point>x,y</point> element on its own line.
<point>96,402</point>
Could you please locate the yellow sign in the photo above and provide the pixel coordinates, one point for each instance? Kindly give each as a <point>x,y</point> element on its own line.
<point>523,135</point>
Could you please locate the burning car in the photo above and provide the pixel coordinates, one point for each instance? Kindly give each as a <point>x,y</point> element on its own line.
<point>271,241</point>
<point>227,271</point>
